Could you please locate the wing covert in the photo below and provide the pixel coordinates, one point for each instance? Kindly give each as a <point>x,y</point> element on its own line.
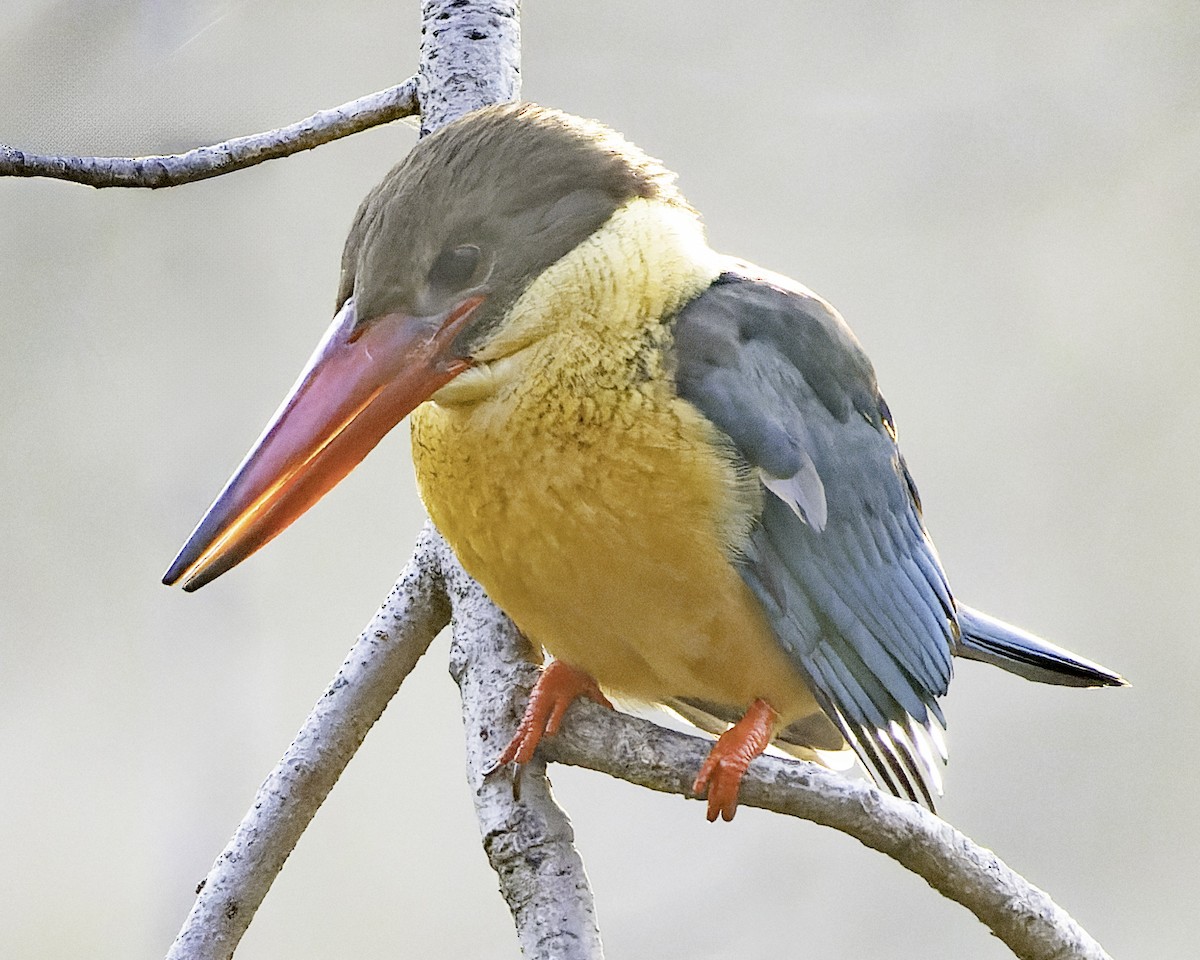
<point>839,557</point>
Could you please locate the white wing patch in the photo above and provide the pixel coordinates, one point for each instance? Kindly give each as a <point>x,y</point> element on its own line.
<point>803,491</point>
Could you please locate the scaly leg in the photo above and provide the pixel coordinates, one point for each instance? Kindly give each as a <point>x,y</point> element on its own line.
<point>556,689</point>
<point>722,772</point>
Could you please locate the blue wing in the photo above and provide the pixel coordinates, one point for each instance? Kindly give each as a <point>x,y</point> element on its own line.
<point>839,557</point>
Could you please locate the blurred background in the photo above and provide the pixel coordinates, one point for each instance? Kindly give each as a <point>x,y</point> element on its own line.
<point>1002,199</point>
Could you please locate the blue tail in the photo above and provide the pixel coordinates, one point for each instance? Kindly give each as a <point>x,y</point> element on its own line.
<point>1011,648</point>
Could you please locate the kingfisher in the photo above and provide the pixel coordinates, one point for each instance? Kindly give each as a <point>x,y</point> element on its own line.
<point>672,469</point>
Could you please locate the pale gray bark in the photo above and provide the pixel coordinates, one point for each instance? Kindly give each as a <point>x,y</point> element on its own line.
<point>470,57</point>
<point>288,799</point>
<point>237,154</point>
<point>527,837</point>
<point>1021,915</point>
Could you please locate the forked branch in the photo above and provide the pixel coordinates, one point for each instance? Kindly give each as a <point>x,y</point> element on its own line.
<point>526,836</point>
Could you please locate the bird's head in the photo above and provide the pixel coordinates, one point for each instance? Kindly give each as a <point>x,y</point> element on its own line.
<point>439,252</point>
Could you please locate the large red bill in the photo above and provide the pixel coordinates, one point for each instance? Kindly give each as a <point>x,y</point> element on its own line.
<point>361,381</point>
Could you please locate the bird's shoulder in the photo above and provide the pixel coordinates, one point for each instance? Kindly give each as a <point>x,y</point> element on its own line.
<point>749,317</point>
<point>779,371</point>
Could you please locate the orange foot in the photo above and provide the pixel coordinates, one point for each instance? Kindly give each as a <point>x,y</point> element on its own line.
<point>556,689</point>
<point>721,772</point>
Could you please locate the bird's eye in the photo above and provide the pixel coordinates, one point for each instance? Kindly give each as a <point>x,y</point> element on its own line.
<point>453,268</point>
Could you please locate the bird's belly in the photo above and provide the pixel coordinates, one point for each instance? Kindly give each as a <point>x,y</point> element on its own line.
<point>610,555</point>
<point>694,632</point>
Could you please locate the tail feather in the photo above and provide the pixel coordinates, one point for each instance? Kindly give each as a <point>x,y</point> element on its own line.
<point>1011,648</point>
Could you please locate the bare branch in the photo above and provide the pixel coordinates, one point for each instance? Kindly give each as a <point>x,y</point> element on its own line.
<point>236,154</point>
<point>287,801</point>
<point>1020,914</point>
<point>526,835</point>
<point>489,650</point>
<point>470,57</point>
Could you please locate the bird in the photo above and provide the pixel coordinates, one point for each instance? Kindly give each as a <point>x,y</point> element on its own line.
<point>672,469</point>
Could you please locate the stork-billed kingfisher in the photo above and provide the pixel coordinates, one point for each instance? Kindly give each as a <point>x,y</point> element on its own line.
<point>672,469</point>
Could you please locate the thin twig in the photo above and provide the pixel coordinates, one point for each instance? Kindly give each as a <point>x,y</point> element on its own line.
<point>236,154</point>
<point>384,655</point>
